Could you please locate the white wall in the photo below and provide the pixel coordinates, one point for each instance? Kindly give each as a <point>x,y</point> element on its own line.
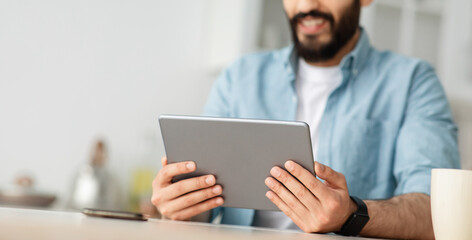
<point>232,29</point>
<point>72,71</point>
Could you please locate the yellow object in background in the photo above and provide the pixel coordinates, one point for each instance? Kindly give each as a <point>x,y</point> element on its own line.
<point>141,188</point>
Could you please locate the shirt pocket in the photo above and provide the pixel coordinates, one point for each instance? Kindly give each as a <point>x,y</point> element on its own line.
<point>366,153</point>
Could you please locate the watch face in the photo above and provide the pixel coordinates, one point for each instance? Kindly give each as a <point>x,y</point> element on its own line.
<point>354,224</point>
<point>358,222</point>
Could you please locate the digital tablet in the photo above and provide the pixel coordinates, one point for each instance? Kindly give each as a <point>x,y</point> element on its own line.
<point>239,152</point>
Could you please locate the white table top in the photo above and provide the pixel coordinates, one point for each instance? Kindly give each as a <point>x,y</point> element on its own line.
<point>38,224</point>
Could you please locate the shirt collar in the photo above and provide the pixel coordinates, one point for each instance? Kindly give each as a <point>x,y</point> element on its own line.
<point>356,59</point>
<point>353,61</point>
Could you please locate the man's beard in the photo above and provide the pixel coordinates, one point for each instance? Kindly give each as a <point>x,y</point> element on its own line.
<point>341,33</point>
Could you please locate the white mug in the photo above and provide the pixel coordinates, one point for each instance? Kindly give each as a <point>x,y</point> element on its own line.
<point>451,203</point>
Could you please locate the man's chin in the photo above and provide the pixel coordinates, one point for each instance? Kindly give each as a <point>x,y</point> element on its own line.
<point>314,41</point>
<point>313,45</point>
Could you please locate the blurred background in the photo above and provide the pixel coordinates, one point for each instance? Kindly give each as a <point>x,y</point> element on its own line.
<point>83,82</point>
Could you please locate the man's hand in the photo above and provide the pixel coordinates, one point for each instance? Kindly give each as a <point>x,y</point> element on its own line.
<point>313,205</point>
<point>186,198</point>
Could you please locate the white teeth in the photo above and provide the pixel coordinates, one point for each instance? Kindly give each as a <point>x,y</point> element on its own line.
<point>312,22</point>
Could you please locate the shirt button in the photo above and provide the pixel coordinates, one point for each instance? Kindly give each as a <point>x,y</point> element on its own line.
<point>354,72</point>
<point>294,99</point>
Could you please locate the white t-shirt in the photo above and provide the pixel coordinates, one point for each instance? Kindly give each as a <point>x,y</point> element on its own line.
<point>313,85</point>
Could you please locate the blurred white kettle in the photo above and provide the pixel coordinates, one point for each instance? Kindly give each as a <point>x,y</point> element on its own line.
<point>94,186</point>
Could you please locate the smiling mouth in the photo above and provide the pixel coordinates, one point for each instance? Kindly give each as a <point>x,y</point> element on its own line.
<point>312,22</point>
<point>312,26</point>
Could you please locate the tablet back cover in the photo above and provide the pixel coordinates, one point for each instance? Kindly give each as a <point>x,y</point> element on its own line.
<point>239,152</point>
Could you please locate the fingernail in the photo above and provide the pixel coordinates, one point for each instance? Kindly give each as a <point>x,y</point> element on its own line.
<point>275,172</point>
<point>210,180</point>
<point>269,182</point>
<point>322,167</point>
<point>289,165</point>
<point>219,201</point>
<point>190,166</point>
<point>269,194</point>
<point>217,189</point>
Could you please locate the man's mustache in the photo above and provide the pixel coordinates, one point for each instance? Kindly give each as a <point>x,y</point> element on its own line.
<point>313,13</point>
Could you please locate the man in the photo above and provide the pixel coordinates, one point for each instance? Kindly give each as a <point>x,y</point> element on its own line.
<point>379,120</point>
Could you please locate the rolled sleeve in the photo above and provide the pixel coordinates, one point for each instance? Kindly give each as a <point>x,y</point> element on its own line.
<point>428,135</point>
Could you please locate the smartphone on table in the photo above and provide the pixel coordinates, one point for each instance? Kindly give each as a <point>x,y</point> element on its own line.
<point>114,214</point>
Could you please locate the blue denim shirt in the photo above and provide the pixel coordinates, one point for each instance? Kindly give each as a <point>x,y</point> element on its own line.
<point>385,127</point>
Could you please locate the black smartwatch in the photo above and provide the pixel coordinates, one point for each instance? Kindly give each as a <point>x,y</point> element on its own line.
<point>357,221</point>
